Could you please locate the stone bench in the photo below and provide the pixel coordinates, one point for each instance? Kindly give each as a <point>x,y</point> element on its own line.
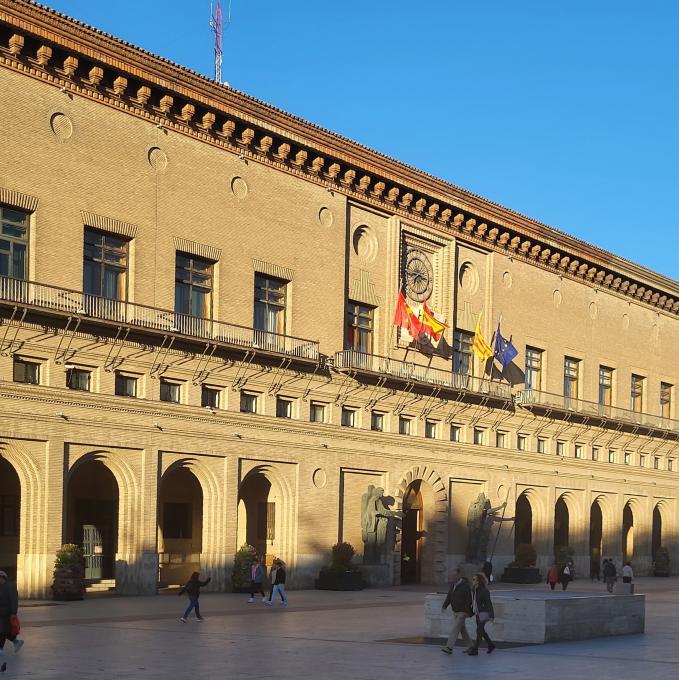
<point>537,617</point>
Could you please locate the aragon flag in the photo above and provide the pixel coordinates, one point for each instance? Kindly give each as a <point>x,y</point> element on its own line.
<point>481,347</point>
<point>406,318</point>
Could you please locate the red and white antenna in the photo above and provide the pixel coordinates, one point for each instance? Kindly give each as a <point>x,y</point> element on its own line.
<point>217,29</point>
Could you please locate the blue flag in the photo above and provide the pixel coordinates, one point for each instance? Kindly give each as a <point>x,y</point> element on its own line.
<point>504,350</point>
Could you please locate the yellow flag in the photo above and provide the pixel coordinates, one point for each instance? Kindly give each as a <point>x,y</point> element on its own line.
<point>481,347</point>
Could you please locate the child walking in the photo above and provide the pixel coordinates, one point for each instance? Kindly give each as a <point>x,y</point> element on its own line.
<point>192,589</point>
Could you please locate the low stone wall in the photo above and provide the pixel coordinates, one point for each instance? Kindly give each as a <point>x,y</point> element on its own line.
<point>537,617</point>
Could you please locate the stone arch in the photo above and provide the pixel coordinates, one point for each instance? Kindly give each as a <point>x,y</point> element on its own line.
<point>261,483</point>
<point>34,563</point>
<point>434,525</point>
<point>630,511</point>
<point>563,521</point>
<point>523,527</point>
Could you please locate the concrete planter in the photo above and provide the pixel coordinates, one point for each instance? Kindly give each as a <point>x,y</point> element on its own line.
<point>339,580</point>
<point>521,575</point>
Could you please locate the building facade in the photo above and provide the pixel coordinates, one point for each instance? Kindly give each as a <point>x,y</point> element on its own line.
<point>197,347</point>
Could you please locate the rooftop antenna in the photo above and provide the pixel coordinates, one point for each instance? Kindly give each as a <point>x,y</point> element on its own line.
<point>217,26</point>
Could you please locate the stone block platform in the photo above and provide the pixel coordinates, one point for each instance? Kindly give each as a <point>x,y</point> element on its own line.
<point>527,616</point>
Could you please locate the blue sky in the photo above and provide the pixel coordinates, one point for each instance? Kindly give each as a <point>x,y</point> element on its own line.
<point>566,112</point>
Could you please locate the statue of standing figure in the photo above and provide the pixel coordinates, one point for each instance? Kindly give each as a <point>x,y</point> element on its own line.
<point>375,518</point>
<point>480,519</point>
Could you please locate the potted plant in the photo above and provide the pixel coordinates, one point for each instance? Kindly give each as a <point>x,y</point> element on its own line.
<point>523,569</point>
<point>69,573</point>
<point>242,564</point>
<point>661,566</point>
<point>341,574</point>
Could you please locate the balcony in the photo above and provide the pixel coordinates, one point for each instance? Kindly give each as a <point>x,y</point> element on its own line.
<point>612,416</point>
<point>62,301</point>
<point>407,371</point>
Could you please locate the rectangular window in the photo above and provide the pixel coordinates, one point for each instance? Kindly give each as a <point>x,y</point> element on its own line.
<point>317,412</point>
<point>270,304</point>
<point>26,371</point>
<point>283,408</point>
<point>193,286</point>
<point>105,265</point>
<point>656,463</point>
<point>377,421</point>
<point>670,464</point>
<point>430,429</point>
<point>642,460</point>
<point>177,520</point>
<point>611,456</point>
<point>13,243</point>
<point>348,417</point>
<point>170,391</point>
<point>248,402</point>
<point>455,433</point>
<point>579,451</point>
<point>209,397</point>
<point>571,375</point>
<point>560,448</point>
<point>595,453</point>
<point>637,394</point>
<point>628,458</point>
<point>78,379</point>
<point>9,515</point>
<point>266,521</point>
<point>542,445</point>
<point>500,439</point>
<point>479,436</point>
<point>533,373</point>
<point>359,332</point>
<point>605,389</point>
<point>463,359</point>
<point>126,385</point>
<point>665,400</point>
<point>403,425</point>
<point>522,442</point>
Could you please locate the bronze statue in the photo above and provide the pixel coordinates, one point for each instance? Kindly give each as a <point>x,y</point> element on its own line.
<point>375,517</point>
<point>480,519</point>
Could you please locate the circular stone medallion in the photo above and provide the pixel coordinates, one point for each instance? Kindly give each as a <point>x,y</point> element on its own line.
<point>319,478</point>
<point>239,187</point>
<point>364,243</point>
<point>325,217</point>
<point>157,158</point>
<point>507,279</point>
<point>61,125</point>
<point>593,310</point>
<point>557,298</point>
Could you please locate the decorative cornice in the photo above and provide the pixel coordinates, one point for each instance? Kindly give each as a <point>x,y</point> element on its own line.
<point>15,199</point>
<point>199,249</point>
<point>108,224</point>
<point>285,273</point>
<point>49,46</point>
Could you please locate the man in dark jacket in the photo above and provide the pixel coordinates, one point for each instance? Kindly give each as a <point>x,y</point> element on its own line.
<point>460,600</point>
<point>9,605</point>
<point>192,589</point>
<point>610,574</point>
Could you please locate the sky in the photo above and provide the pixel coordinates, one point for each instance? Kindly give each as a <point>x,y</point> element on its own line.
<point>563,111</point>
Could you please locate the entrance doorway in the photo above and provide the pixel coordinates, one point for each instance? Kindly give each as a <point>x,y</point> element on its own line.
<point>523,533</point>
<point>595,538</point>
<point>412,535</point>
<point>10,504</point>
<point>627,533</point>
<point>92,517</point>
<point>257,516</point>
<point>180,526</point>
<point>561,526</point>
<point>656,534</point>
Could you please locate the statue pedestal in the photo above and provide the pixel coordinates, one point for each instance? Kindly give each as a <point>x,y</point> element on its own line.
<point>377,575</point>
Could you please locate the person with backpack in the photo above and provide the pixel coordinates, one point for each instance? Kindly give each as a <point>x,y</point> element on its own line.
<point>610,574</point>
<point>192,589</point>
<point>9,606</point>
<point>566,575</point>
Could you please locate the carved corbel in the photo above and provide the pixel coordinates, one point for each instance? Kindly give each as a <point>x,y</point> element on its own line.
<point>69,67</point>
<point>43,56</point>
<point>433,210</point>
<point>392,195</point>
<point>95,76</point>
<point>420,205</point>
<point>317,165</point>
<point>16,44</point>
<point>406,200</point>
<point>554,259</point>
<point>265,144</point>
<point>228,128</point>
<point>504,239</point>
<point>573,266</point>
<point>661,301</point>
<point>493,234</point>
<point>524,247</point>
<point>333,172</point>
<point>649,295</point>
<point>544,254</point>
<point>364,183</point>
<point>282,152</point>
<point>591,272</point>
<point>563,262</point>
<point>165,104</point>
<point>600,276</point>
<point>446,214</point>
<point>207,122</point>
<point>675,307</point>
<point>143,95</point>
<point>119,86</point>
<point>534,252</point>
<point>639,292</point>
<point>246,137</point>
<point>582,270</point>
<point>624,285</point>
<point>458,220</point>
<point>616,283</point>
<point>515,243</point>
<point>300,159</point>
<point>378,189</point>
<point>481,229</point>
<point>348,178</point>
<point>469,225</point>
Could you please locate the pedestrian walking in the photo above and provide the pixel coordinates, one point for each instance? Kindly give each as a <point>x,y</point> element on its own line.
<point>278,585</point>
<point>627,573</point>
<point>610,574</point>
<point>483,608</point>
<point>256,578</point>
<point>566,575</point>
<point>553,575</point>
<point>9,623</point>
<point>192,589</point>
<point>460,600</point>
<point>595,569</point>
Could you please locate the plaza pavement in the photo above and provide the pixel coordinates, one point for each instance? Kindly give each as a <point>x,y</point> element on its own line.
<point>362,635</point>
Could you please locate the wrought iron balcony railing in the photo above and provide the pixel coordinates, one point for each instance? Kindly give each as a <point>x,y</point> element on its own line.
<point>73,302</point>
<point>592,409</point>
<point>424,375</point>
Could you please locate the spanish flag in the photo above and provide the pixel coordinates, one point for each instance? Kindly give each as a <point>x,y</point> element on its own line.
<point>406,318</point>
<point>430,324</point>
<point>481,347</point>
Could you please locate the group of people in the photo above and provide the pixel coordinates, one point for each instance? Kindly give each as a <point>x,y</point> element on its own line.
<point>610,573</point>
<point>560,573</point>
<point>467,600</point>
<point>257,573</point>
<point>9,606</point>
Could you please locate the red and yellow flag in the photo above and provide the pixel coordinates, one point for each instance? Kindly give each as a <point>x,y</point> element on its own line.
<point>430,324</point>
<point>406,318</point>
<point>481,347</point>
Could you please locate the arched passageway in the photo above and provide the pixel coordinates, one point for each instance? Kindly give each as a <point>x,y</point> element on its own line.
<point>10,504</point>
<point>656,535</point>
<point>524,522</point>
<point>596,527</point>
<point>627,533</point>
<point>92,517</point>
<point>180,526</point>
<point>258,507</point>
<point>412,534</point>
<point>561,525</point>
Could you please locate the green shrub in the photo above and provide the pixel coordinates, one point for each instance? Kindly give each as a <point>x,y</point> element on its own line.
<point>68,555</point>
<point>526,556</point>
<point>342,555</point>
<point>564,553</point>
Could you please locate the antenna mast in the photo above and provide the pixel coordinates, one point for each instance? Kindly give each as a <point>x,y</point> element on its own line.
<point>217,29</point>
